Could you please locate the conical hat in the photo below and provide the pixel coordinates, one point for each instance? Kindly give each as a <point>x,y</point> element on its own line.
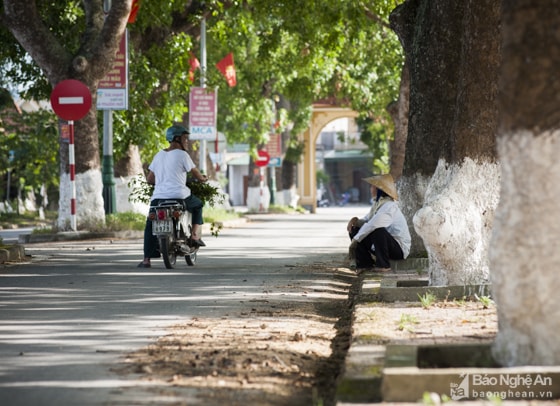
<point>385,183</point>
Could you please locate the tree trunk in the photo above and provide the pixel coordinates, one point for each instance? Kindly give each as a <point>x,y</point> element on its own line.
<point>399,113</point>
<point>287,195</point>
<point>452,50</point>
<point>127,168</point>
<point>523,259</point>
<point>411,195</point>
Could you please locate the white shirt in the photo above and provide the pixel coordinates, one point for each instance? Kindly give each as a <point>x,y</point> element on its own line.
<point>170,169</point>
<point>389,216</point>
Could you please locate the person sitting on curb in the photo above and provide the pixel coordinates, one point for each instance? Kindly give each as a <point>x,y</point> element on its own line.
<point>383,232</point>
<point>168,172</point>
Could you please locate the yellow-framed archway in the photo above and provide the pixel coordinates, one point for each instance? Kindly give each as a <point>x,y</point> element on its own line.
<point>322,115</point>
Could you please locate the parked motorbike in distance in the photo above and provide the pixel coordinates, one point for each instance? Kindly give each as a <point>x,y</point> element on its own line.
<point>344,199</point>
<point>323,203</point>
<point>172,224</point>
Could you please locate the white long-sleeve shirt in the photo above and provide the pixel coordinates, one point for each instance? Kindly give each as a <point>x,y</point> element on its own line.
<point>388,215</point>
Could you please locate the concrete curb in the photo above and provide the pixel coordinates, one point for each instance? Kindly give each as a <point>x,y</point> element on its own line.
<point>76,236</point>
<point>12,253</point>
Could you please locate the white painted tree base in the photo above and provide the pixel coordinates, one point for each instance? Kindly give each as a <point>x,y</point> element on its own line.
<point>412,190</point>
<point>89,200</point>
<point>287,197</point>
<point>258,199</point>
<point>123,191</point>
<point>455,221</point>
<point>524,255</point>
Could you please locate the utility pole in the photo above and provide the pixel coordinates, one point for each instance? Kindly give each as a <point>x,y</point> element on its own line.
<point>108,173</point>
<point>202,163</point>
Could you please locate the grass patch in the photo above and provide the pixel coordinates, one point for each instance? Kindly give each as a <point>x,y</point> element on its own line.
<point>124,221</point>
<point>29,219</point>
<point>427,300</point>
<point>407,322</point>
<point>135,221</point>
<point>218,215</point>
<point>274,209</point>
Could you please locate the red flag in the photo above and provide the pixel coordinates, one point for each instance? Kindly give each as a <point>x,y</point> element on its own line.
<point>194,66</point>
<point>227,68</point>
<point>133,11</point>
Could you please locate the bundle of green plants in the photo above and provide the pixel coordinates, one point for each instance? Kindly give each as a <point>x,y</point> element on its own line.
<point>209,192</point>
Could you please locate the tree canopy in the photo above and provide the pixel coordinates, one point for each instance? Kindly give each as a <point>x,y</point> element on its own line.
<point>301,51</point>
<point>288,54</point>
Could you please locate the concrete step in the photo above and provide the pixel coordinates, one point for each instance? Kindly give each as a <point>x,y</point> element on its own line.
<point>410,264</point>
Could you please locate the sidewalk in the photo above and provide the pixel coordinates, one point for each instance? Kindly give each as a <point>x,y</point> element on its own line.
<point>402,352</point>
<point>364,363</point>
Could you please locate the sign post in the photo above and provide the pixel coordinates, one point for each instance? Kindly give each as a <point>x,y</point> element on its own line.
<point>262,160</point>
<point>274,149</point>
<point>71,100</point>
<point>112,94</point>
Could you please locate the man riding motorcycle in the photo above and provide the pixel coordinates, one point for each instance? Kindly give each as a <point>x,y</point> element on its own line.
<point>168,172</point>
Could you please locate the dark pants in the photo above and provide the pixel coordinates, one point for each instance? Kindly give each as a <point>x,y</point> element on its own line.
<point>386,248</point>
<point>191,203</point>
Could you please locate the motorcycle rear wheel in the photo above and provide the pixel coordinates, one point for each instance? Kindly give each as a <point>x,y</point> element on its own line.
<point>168,255</point>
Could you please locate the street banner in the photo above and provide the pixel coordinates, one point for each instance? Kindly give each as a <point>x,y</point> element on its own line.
<point>112,92</point>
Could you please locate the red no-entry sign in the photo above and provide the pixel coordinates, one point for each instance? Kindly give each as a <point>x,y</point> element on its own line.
<point>262,159</point>
<point>71,99</point>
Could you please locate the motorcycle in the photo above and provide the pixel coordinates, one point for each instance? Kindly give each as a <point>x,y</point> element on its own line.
<point>323,203</point>
<point>172,224</point>
<point>344,199</point>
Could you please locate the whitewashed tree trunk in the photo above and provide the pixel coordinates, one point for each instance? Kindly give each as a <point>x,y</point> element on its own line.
<point>123,191</point>
<point>412,189</point>
<point>453,54</point>
<point>126,169</point>
<point>455,222</point>
<point>89,200</point>
<point>287,197</point>
<point>258,199</point>
<point>524,255</point>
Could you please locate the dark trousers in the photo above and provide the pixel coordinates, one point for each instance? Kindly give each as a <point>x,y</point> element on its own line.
<point>386,248</point>
<point>191,203</point>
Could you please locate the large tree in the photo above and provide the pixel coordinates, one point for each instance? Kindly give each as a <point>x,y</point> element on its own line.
<point>86,55</point>
<point>524,258</point>
<point>453,53</point>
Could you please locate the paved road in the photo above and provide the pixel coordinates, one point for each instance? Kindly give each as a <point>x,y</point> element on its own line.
<point>68,316</point>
